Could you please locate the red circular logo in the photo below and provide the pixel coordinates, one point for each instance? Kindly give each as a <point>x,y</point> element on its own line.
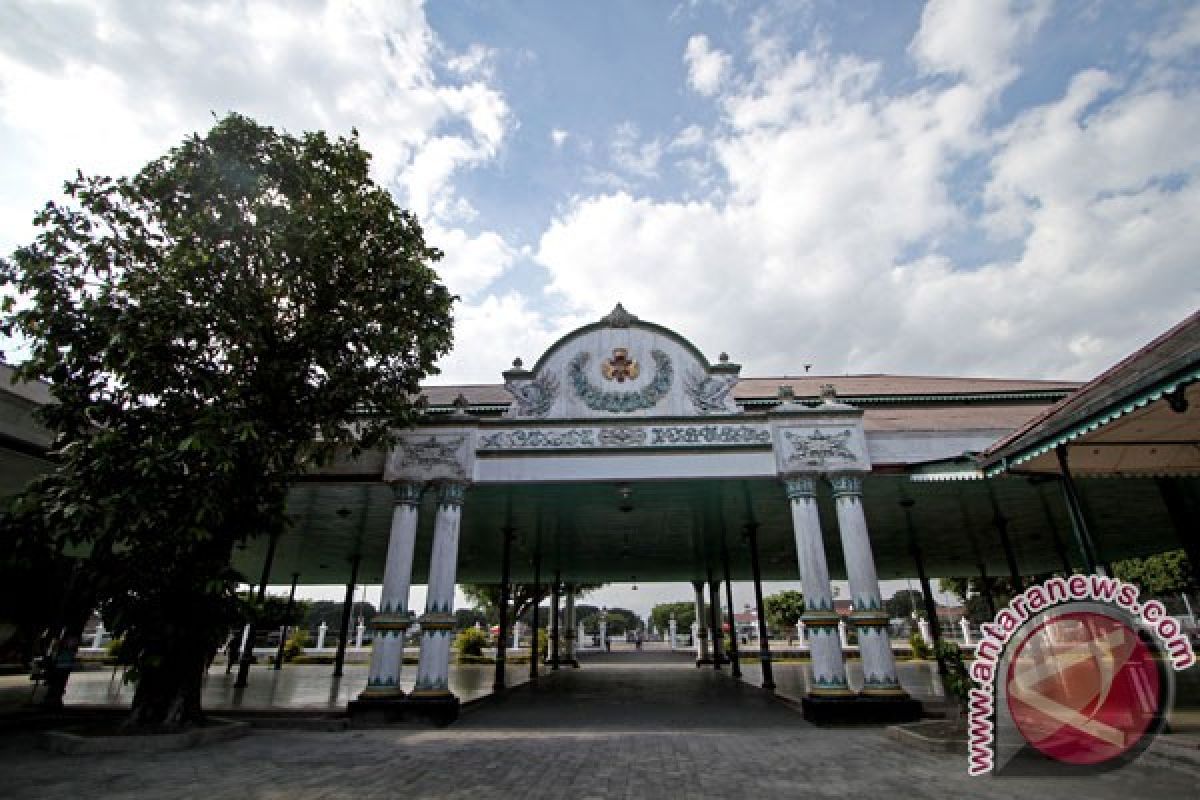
<point>1083,688</point>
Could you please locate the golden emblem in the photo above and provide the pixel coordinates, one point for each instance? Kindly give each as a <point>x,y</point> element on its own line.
<point>620,367</point>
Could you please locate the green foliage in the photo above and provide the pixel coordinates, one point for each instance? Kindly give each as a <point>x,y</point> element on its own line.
<point>114,651</point>
<point>920,648</point>
<point>486,598</point>
<point>784,609</point>
<point>957,679</point>
<point>903,603</point>
<point>620,620</point>
<point>1165,573</point>
<point>196,324</point>
<point>468,617</point>
<point>970,592</point>
<point>470,642</point>
<point>684,613</point>
<point>293,648</point>
<point>543,643</point>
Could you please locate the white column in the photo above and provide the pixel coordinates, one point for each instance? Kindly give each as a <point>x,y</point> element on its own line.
<point>869,617</point>
<point>569,624</point>
<point>516,643</point>
<point>673,626</point>
<point>801,632</point>
<point>359,631</point>
<point>245,638</point>
<point>965,626</point>
<point>828,665</point>
<point>393,619</point>
<point>437,623</point>
<point>580,635</point>
<point>603,627</point>
<point>321,631</point>
<point>843,636</point>
<point>926,634</point>
<point>98,639</point>
<point>699,629</point>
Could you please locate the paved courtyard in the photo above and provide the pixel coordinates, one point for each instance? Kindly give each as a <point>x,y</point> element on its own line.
<point>615,729</point>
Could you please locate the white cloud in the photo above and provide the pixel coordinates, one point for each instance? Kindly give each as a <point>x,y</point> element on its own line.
<point>976,39</point>
<point>706,67</point>
<point>690,137</point>
<point>630,154</point>
<point>558,137</point>
<point>107,86</point>
<point>828,245</point>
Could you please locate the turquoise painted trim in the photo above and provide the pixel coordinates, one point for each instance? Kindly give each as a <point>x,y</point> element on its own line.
<point>1095,422</point>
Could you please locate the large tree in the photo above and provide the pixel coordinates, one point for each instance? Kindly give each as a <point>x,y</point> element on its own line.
<point>684,613</point>
<point>245,307</point>
<point>784,610</point>
<point>522,598</point>
<point>1162,574</point>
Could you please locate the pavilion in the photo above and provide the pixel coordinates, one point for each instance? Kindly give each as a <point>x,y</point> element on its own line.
<point>624,454</point>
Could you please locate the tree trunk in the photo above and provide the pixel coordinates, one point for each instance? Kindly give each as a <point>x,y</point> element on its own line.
<point>168,692</point>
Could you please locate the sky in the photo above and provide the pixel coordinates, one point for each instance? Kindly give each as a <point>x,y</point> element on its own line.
<point>988,188</point>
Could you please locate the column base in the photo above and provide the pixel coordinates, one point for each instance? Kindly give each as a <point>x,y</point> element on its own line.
<point>380,694</point>
<point>704,662</point>
<point>860,709</point>
<point>439,708</point>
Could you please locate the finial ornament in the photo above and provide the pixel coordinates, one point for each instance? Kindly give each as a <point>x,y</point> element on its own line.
<point>828,394</point>
<point>518,363</point>
<point>619,318</point>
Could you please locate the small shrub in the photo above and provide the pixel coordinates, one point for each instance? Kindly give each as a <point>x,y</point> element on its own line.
<point>293,648</point>
<point>958,680</point>
<point>113,651</point>
<point>920,648</point>
<point>470,643</point>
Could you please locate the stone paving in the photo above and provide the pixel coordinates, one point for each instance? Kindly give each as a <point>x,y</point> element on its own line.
<point>614,729</point>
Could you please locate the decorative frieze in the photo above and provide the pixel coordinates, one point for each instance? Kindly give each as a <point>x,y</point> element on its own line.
<point>710,393</point>
<point>619,402</point>
<point>420,457</point>
<point>816,448</point>
<point>533,398</point>
<point>627,437</point>
<point>821,448</point>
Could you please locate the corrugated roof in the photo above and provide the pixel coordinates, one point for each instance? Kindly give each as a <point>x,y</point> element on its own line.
<point>805,386</point>
<point>1170,355</point>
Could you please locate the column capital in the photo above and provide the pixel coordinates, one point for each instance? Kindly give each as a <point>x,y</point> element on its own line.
<point>407,493</point>
<point>800,487</point>
<point>846,485</point>
<point>451,493</point>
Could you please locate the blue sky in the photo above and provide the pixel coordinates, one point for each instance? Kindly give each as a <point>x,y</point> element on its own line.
<point>1004,188</point>
<point>1000,187</point>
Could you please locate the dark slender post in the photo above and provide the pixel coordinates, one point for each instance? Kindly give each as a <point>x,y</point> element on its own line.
<point>1078,522</point>
<point>1001,523</point>
<point>764,643</point>
<point>248,654</point>
<point>1059,547</point>
<point>339,659</point>
<point>714,613</point>
<point>534,655</point>
<point>505,590</point>
<point>734,655</point>
<point>985,585</point>
<point>935,627</point>
<point>1186,526</point>
<point>554,621</point>
<point>291,605</point>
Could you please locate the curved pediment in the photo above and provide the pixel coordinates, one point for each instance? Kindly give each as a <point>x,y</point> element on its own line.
<point>621,366</point>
